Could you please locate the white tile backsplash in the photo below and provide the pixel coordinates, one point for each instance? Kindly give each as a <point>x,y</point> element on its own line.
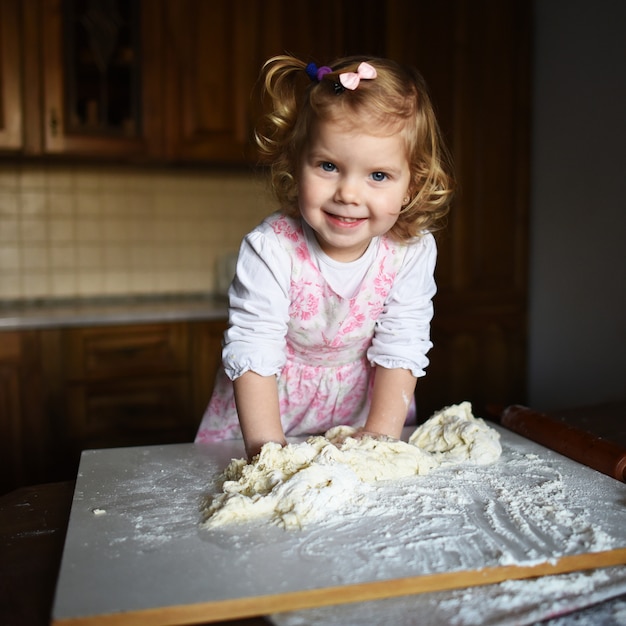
<point>91,231</point>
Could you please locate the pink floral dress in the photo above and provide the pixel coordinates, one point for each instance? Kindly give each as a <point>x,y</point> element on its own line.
<point>327,378</point>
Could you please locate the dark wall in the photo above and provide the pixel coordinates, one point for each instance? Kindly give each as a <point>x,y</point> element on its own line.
<point>578,204</point>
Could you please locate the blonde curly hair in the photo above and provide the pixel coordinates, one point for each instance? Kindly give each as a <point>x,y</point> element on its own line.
<point>396,99</point>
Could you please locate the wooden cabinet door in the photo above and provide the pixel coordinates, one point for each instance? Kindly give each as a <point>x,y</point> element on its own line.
<point>323,30</point>
<point>118,352</point>
<point>132,411</point>
<point>11,456</point>
<point>11,116</point>
<point>215,51</point>
<point>23,431</point>
<point>84,110</point>
<point>210,67</point>
<point>206,359</point>
<point>127,384</point>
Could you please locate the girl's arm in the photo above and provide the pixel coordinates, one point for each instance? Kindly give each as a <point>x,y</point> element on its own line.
<point>391,397</point>
<point>256,398</point>
<point>402,339</point>
<point>254,350</point>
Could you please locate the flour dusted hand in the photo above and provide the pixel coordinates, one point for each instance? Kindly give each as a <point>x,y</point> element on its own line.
<point>300,483</point>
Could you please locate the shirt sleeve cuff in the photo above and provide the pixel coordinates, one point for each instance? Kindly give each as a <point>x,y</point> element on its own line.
<point>260,365</point>
<point>417,369</point>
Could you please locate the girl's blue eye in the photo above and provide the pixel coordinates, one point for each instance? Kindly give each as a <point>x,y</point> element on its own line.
<point>379,176</point>
<point>327,166</point>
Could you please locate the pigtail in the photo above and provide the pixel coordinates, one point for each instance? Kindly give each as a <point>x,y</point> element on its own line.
<point>283,78</point>
<point>284,85</point>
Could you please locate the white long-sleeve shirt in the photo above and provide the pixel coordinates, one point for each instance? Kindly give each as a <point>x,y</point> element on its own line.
<point>259,303</point>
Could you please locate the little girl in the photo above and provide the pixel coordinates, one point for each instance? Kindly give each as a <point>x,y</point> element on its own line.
<point>331,304</point>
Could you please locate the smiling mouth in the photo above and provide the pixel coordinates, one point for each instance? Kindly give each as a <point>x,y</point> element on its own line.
<point>345,220</point>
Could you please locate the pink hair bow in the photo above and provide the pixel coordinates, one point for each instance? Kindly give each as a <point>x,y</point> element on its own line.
<point>351,80</point>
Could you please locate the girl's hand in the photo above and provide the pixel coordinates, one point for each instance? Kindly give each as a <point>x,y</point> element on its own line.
<point>361,433</point>
<point>253,449</point>
<point>358,434</point>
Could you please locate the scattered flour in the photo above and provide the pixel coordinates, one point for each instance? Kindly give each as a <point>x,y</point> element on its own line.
<point>300,483</point>
<point>510,603</point>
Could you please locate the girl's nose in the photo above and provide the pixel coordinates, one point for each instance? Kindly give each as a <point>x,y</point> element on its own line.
<point>347,192</point>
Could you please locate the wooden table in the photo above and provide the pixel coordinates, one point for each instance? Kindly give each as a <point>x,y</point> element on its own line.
<point>33,522</point>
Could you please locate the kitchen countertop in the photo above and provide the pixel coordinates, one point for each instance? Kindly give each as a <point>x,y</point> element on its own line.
<point>53,313</point>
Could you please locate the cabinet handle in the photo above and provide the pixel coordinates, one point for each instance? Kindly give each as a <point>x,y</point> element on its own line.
<point>54,123</point>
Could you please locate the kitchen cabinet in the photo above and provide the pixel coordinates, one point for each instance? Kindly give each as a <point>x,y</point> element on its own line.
<point>162,81</point>
<point>210,64</point>
<point>97,84</point>
<point>23,428</point>
<point>125,383</point>
<point>64,390</point>
<point>130,81</point>
<point>84,63</point>
<point>11,109</point>
<point>205,341</point>
<point>216,50</point>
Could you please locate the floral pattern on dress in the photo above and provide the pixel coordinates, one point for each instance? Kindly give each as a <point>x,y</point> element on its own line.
<point>327,379</point>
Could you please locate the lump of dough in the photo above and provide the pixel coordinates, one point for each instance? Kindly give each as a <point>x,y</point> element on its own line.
<point>299,483</point>
<point>374,459</point>
<point>289,485</point>
<point>453,435</point>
